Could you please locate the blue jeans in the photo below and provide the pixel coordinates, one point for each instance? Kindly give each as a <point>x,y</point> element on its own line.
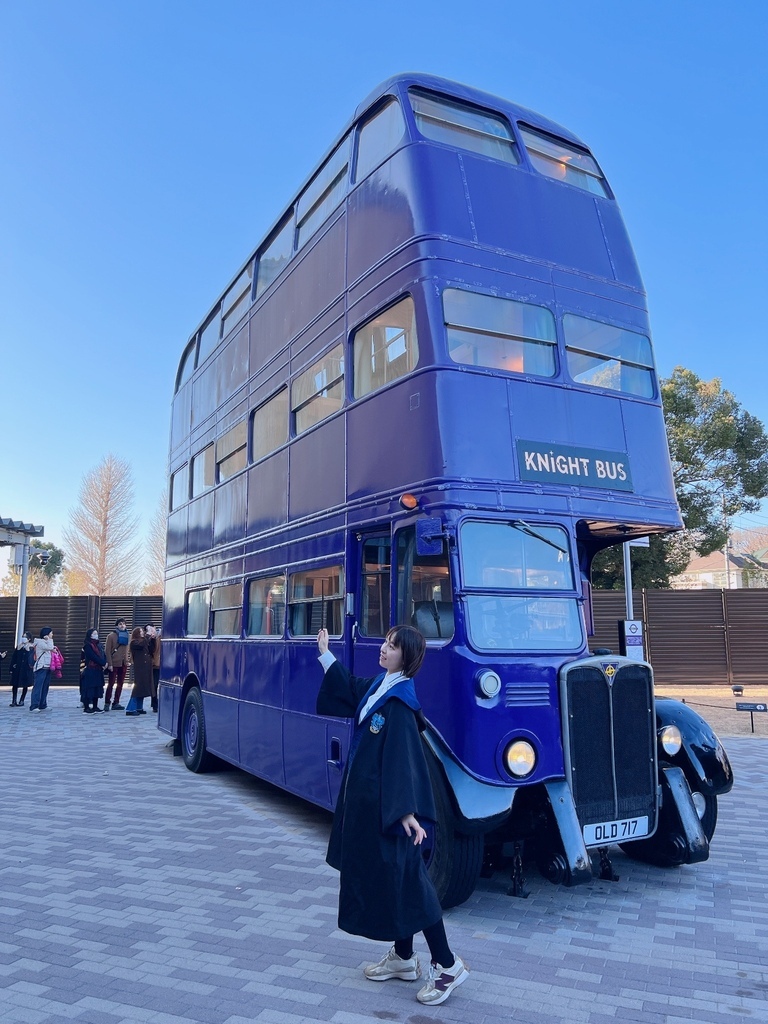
<point>39,697</point>
<point>135,704</point>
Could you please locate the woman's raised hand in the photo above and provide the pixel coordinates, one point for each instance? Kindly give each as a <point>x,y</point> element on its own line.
<point>322,641</point>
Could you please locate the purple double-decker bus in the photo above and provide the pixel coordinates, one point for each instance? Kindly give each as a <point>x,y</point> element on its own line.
<point>429,397</point>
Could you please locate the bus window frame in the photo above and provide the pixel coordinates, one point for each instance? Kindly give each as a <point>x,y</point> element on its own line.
<point>261,579</point>
<point>453,101</point>
<point>283,390</point>
<point>368,118</point>
<point>187,594</point>
<point>323,599</point>
<point>411,350</point>
<point>213,610</point>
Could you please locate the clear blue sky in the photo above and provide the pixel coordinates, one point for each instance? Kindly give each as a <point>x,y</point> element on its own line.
<point>147,145</point>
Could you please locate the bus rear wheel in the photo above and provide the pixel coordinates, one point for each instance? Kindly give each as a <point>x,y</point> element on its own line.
<point>196,757</point>
<point>453,859</point>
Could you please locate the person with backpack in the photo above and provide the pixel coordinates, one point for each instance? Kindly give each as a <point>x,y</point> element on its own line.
<point>22,664</point>
<point>118,659</point>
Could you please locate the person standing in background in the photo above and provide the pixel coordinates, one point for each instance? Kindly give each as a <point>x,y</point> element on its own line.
<point>153,640</point>
<point>22,676</point>
<point>43,647</point>
<point>141,659</point>
<point>118,656</point>
<point>92,686</point>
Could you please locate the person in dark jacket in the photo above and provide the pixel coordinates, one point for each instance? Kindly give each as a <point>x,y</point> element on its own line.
<point>92,680</point>
<point>385,891</point>
<point>141,659</point>
<point>22,676</point>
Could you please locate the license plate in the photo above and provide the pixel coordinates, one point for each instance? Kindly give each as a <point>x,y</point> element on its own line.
<point>607,832</point>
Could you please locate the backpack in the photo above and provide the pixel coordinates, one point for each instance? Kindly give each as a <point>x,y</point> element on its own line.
<point>57,660</point>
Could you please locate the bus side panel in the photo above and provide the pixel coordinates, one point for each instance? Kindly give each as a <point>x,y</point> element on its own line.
<point>200,529</point>
<point>375,463</point>
<point>379,214</point>
<point>231,504</point>
<point>317,469</point>
<point>304,734</point>
<point>268,493</point>
<point>221,685</point>
<point>261,698</point>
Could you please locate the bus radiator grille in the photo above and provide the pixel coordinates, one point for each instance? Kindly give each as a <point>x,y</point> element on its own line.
<point>610,738</point>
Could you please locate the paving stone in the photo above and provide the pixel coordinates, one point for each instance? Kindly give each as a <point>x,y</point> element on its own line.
<point>132,891</point>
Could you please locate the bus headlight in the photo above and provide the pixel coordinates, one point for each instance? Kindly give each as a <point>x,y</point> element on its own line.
<point>488,684</point>
<point>520,759</point>
<point>670,739</point>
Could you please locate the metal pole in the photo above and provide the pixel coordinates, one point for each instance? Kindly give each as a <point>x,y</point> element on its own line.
<point>628,582</point>
<point>725,548</point>
<point>21,606</point>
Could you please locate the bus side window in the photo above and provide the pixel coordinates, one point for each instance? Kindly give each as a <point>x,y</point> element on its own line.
<point>424,590</point>
<point>316,601</point>
<point>375,589</point>
<point>266,606</point>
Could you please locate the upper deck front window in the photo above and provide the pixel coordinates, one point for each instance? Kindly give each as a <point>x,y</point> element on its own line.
<point>463,126</point>
<point>564,162</point>
<point>604,356</point>
<point>484,330</point>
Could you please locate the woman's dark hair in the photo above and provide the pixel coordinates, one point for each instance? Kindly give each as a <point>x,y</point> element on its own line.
<point>87,641</point>
<point>136,634</point>
<point>412,644</point>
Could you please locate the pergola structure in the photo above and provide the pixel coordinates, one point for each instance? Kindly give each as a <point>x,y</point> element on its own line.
<point>17,534</point>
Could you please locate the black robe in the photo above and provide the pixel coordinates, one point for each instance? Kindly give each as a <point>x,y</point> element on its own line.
<point>385,890</point>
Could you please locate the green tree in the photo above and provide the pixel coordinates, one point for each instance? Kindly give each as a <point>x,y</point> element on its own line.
<point>719,456</point>
<point>43,580</point>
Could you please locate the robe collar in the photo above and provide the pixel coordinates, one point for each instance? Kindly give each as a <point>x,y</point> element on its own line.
<point>403,690</point>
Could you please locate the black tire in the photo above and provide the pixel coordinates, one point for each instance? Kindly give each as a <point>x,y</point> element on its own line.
<point>196,757</point>
<point>453,860</point>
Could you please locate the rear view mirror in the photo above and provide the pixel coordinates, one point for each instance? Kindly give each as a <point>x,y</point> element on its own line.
<point>429,536</point>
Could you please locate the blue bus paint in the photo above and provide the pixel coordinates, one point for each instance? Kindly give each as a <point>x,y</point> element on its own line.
<point>450,309</point>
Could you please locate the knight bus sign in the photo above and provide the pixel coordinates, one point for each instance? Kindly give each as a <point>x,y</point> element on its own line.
<point>429,397</point>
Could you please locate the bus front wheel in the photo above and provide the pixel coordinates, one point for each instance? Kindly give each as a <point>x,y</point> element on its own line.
<point>196,757</point>
<point>453,859</point>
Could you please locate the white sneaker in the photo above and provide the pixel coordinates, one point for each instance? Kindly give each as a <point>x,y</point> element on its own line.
<point>393,966</point>
<point>441,981</point>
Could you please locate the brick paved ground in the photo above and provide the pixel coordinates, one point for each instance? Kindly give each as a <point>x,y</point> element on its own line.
<point>134,891</point>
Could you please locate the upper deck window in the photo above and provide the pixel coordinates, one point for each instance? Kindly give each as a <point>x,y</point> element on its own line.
<point>231,451</point>
<point>484,330</point>
<point>180,486</point>
<point>319,391</point>
<point>560,160</point>
<point>464,126</point>
<point>203,471</point>
<point>187,364</point>
<point>385,348</point>
<point>605,356</point>
<point>379,137</point>
<point>226,604</point>
<point>237,299</point>
<point>316,601</point>
<point>323,194</point>
<point>275,256</point>
<point>209,336</point>
<point>269,425</point>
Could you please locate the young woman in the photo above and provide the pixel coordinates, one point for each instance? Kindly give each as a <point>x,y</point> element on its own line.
<point>92,682</point>
<point>141,659</point>
<point>21,670</point>
<point>385,890</point>
<point>43,647</point>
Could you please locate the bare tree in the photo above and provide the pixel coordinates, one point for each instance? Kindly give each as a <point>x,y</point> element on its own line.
<point>102,553</point>
<point>155,551</point>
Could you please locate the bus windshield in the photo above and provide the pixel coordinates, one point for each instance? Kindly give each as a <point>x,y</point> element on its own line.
<point>516,556</point>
